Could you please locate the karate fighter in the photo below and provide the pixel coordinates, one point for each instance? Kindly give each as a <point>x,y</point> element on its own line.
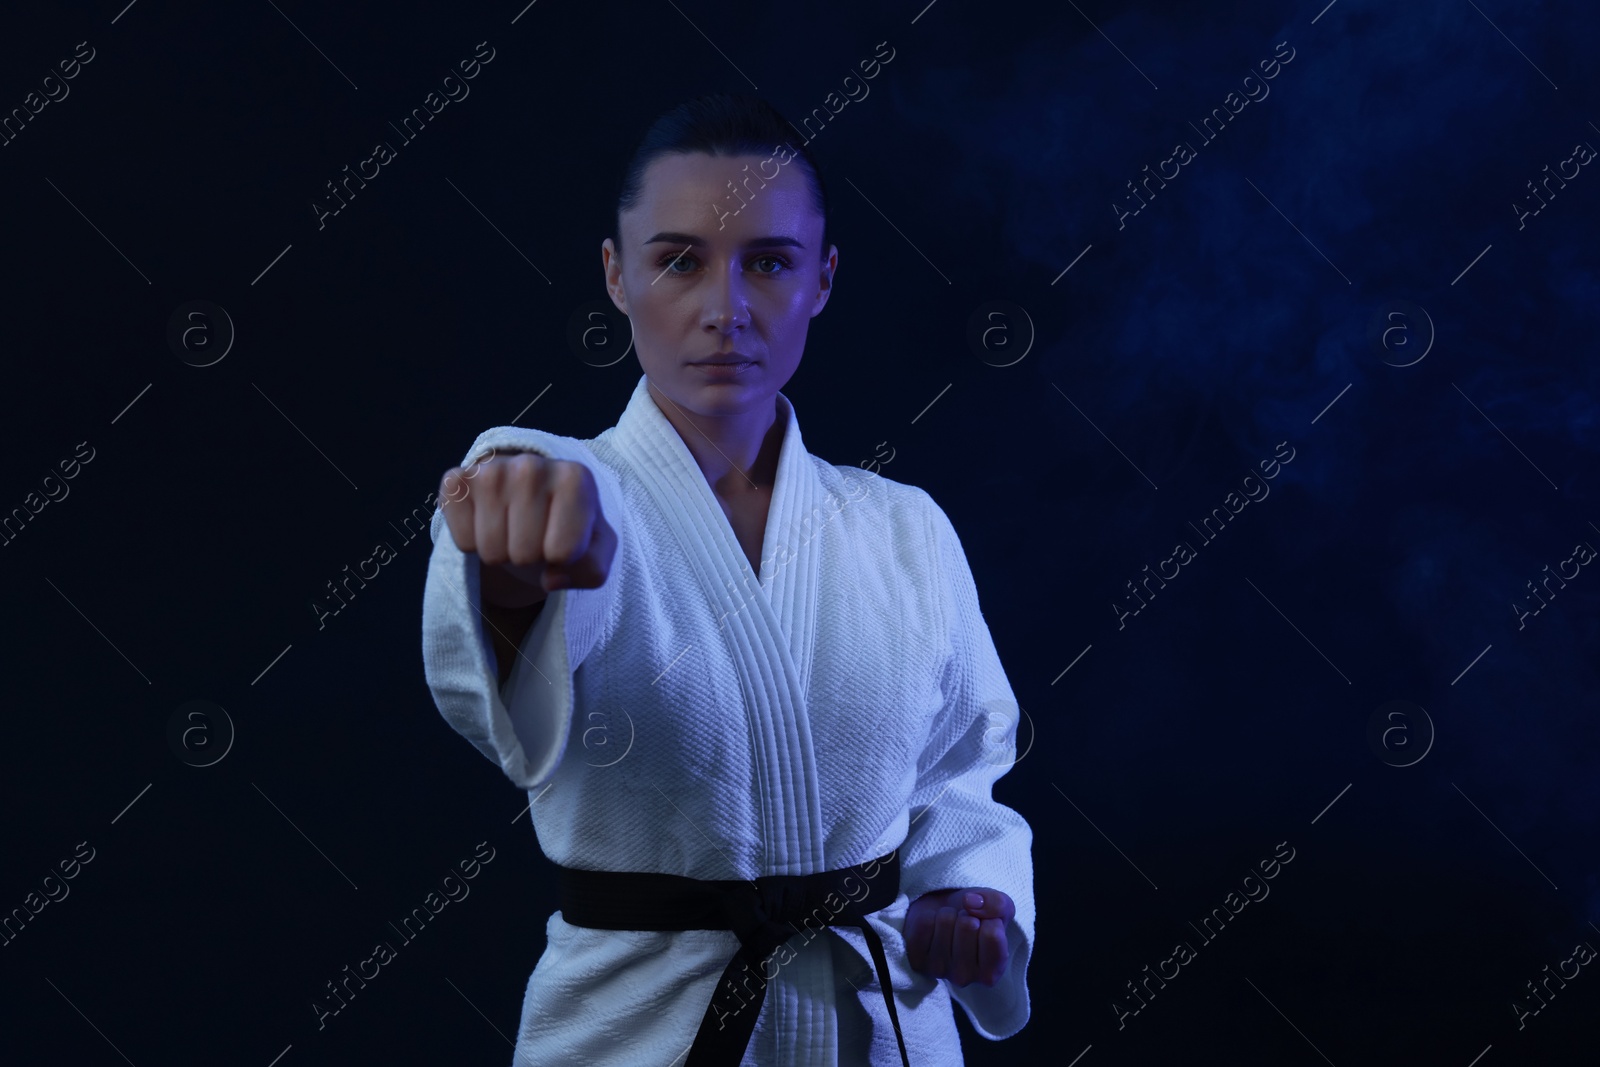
<point>786,852</point>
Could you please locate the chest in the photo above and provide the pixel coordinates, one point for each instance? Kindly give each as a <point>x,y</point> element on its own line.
<point>689,692</point>
<point>747,514</point>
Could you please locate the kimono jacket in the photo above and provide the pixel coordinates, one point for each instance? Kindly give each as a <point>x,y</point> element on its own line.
<point>691,717</point>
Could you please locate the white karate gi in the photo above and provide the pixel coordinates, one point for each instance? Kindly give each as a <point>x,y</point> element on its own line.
<point>849,703</point>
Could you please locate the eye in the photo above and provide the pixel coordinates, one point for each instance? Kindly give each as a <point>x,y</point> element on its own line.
<point>669,261</point>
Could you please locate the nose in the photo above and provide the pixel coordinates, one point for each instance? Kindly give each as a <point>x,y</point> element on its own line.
<point>725,308</point>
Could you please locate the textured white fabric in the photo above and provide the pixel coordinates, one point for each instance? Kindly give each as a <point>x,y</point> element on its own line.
<point>694,718</point>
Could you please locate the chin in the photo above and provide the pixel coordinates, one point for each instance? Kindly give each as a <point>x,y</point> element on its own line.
<point>699,379</point>
<point>725,398</point>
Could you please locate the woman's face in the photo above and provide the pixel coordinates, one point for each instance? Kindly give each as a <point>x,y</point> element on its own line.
<point>699,282</point>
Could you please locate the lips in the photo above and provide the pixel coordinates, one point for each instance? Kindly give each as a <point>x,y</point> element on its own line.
<point>729,360</point>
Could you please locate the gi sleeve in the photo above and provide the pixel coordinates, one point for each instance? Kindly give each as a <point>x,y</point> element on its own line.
<point>524,727</point>
<point>959,835</point>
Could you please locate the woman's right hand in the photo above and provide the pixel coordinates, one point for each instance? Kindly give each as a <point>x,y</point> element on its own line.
<point>534,522</point>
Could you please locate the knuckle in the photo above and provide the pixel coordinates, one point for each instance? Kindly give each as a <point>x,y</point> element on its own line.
<point>453,487</point>
<point>566,476</point>
<point>477,468</point>
<point>531,471</point>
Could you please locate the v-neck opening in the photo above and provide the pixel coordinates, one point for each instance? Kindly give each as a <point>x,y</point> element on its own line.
<point>766,559</point>
<point>787,573</point>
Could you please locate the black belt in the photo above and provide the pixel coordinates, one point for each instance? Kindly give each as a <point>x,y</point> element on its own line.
<point>763,914</point>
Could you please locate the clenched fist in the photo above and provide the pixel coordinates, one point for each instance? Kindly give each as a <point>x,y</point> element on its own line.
<point>535,523</point>
<point>960,934</point>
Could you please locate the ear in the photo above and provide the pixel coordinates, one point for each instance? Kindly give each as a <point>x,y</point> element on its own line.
<point>825,280</point>
<point>611,267</point>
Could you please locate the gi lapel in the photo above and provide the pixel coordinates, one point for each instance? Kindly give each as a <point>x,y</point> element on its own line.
<point>768,620</point>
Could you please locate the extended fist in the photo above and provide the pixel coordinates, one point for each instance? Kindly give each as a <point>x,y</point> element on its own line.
<point>960,934</point>
<point>535,523</point>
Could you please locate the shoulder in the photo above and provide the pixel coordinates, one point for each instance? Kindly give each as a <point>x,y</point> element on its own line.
<point>907,511</point>
<point>877,494</point>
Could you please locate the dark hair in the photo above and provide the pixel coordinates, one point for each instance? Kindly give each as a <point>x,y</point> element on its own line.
<point>719,124</point>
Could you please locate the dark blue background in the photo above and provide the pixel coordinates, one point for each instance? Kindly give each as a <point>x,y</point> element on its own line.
<point>1225,318</point>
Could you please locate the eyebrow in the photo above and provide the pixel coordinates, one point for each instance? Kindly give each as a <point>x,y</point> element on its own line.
<point>673,237</point>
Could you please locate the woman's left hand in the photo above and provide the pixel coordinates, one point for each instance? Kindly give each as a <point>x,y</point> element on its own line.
<point>951,935</point>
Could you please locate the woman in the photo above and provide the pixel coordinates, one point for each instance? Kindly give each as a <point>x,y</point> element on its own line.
<point>789,654</point>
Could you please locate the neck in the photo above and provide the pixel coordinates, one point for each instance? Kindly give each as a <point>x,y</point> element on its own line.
<point>737,452</point>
